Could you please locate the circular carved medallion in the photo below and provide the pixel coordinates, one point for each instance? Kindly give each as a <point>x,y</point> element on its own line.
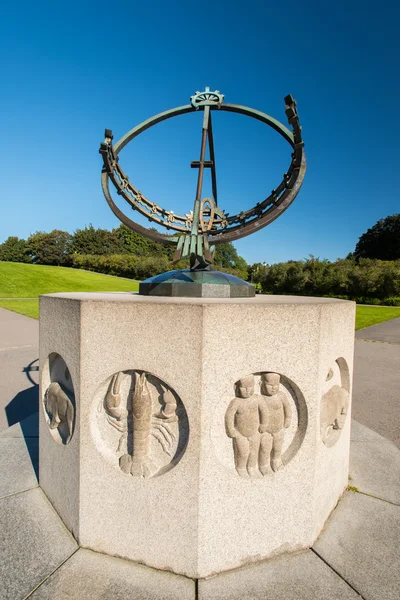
<point>58,399</point>
<point>141,424</point>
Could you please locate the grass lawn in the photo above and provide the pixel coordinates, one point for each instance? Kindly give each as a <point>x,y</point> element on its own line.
<point>29,308</point>
<point>21,284</point>
<point>371,315</point>
<point>18,280</point>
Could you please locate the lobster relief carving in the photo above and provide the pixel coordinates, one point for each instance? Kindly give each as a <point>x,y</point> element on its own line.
<point>146,414</point>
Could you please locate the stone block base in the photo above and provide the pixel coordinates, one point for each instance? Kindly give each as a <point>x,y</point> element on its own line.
<point>194,435</point>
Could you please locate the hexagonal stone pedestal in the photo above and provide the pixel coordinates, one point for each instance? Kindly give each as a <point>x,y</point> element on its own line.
<point>194,434</point>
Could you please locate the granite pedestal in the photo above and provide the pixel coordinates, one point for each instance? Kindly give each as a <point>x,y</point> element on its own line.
<point>194,435</point>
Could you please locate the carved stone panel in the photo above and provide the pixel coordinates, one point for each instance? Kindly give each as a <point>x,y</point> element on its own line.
<point>58,399</point>
<point>335,402</point>
<point>141,425</point>
<point>266,421</point>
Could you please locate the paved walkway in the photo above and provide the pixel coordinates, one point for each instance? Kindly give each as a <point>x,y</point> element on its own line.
<point>355,557</point>
<point>376,391</point>
<point>389,331</point>
<point>19,365</point>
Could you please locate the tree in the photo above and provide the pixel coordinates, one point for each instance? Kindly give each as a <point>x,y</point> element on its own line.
<point>256,272</point>
<point>275,278</point>
<point>14,250</point>
<point>96,241</point>
<point>134,243</point>
<point>316,272</point>
<point>374,278</point>
<point>49,248</point>
<point>226,256</point>
<point>382,241</point>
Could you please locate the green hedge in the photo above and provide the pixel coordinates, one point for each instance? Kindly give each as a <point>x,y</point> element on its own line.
<point>122,265</point>
<point>134,267</point>
<point>391,301</point>
<point>368,281</point>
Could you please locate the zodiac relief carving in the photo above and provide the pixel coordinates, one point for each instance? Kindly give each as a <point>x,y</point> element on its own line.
<point>256,423</point>
<point>58,399</point>
<point>335,402</point>
<point>60,410</point>
<point>151,420</point>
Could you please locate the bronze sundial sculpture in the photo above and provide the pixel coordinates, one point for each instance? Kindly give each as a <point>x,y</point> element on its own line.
<point>196,233</point>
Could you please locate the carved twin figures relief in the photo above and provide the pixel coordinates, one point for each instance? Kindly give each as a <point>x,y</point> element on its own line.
<point>145,421</point>
<point>258,422</point>
<point>58,399</point>
<point>335,402</point>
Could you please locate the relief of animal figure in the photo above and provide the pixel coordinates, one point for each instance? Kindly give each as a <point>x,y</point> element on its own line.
<point>140,423</point>
<point>333,409</point>
<point>139,462</point>
<point>60,409</point>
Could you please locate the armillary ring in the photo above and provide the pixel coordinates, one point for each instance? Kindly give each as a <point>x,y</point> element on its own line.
<point>196,233</point>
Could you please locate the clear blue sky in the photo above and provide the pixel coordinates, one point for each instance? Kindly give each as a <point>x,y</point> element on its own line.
<point>71,69</point>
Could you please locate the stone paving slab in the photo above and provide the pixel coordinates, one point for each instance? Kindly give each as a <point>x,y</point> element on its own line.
<point>360,542</point>
<point>27,428</point>
<point>33,542</point>
<point>360,433</point>
<point>19,462</point>
<point>292,577</point>
<point>89,575</point>
<point>374,464</point>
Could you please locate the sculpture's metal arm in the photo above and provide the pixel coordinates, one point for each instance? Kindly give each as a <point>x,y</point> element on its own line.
<point>196,208</point>
<point>212,159</point>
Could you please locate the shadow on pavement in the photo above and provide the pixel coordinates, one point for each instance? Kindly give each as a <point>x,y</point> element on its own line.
<point>23,409</point>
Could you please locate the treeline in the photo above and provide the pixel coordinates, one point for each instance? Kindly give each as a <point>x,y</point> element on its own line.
<point>124,253</point>
<point>120,252</point>
<point>368,281</point>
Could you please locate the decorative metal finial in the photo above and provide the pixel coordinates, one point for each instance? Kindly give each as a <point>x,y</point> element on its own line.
<point>207,98</point>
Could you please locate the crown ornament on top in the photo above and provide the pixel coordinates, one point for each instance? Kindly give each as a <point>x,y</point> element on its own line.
<point>207,98</point>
